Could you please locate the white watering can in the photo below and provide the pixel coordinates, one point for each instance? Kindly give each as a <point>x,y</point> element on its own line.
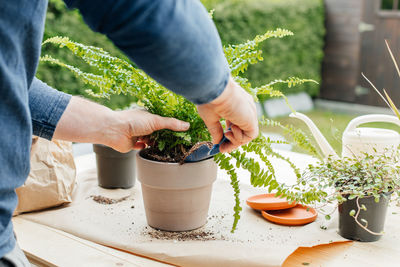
<point>356,141</point>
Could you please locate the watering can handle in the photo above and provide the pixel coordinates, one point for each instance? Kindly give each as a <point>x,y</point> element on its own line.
<point>371,118</point>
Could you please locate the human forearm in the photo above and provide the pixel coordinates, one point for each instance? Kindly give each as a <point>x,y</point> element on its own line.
<point>60,116</point>
<point>87,122</point>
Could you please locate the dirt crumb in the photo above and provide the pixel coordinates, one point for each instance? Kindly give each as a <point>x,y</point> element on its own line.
<point>107,201</point>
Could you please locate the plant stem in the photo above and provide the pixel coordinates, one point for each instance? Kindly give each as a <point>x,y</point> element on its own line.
<point>362,226</point>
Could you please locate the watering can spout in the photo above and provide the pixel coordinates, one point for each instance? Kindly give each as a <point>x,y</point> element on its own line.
<point>325,147</point>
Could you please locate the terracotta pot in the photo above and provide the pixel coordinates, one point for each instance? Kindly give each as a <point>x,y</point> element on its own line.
<point>115,169</point>
<point>176,197</point>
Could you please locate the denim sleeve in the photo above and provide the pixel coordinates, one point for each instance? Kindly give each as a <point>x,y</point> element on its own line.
<point>173,41</point>
<point>46,105</point>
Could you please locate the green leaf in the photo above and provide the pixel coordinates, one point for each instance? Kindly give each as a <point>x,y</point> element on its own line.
<point>352,213</point>
<point>352,197</point>
<point>161,145</point>
<point>392,105</point>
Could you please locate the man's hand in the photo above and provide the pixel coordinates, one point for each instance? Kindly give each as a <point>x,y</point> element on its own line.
<point>132,126</point>
<point>237,107</point>
<point>87,122</point>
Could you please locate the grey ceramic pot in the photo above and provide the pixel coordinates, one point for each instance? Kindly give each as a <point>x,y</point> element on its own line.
<point>176,197</point>
<point>375,216</point>
<point>115,169</point>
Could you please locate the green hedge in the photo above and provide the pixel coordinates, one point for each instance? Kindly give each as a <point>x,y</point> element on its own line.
<point>63,22</point>
<point>299,55</point>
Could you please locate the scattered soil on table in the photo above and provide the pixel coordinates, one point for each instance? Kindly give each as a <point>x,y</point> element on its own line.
<point>205,233</point>
<point>195,235</point>
<point>178,155</point>
<point>107,201</point>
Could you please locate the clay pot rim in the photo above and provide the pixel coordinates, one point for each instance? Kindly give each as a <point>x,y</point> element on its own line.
<point>109,152</point>
<point>387,194</point>
<point>170,163</point>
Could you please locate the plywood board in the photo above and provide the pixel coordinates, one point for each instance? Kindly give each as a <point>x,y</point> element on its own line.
<point>46,246</point>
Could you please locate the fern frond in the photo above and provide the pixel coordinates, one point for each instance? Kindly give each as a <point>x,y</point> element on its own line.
<point>211,13</point>
<point>257,147</point>
<point>298,136</point>
<point>240,56</point>
<point>94,56</point>
<point>258,176</point>
<point>291,81</point>
<point>268,90</point>
<point>263,178</point>
<point>278,33</point>
<point>223,162</point>
<point>246,85</point>
<point>88,78</point>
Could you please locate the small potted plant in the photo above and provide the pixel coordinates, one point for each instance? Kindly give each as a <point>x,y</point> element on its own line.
<point>362,189</point>
<point>115,169</point>
<point>160,171</point>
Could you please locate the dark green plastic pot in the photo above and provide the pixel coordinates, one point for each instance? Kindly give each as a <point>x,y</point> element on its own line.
<point>375,216</point>
<point>115,169</point>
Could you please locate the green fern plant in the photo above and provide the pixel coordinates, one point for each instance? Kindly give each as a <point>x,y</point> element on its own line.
<point>116,76</point>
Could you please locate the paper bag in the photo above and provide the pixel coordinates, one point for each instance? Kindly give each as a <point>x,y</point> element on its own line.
<point>52,178</point>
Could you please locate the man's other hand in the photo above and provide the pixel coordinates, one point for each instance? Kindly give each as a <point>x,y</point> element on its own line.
<point>237,107</point>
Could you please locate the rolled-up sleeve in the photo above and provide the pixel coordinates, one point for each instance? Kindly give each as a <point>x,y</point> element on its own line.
<point>46,105</point>
<point>175,42</point>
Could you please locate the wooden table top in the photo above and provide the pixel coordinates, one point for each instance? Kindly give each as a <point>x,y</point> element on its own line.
<point>46,246</point>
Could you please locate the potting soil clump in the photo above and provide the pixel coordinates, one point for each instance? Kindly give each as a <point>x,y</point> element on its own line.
<point>178,155</point>
<point>199,235</point>
<point>107,201</point>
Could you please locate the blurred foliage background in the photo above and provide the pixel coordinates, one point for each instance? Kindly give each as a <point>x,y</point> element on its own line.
<point>299,55</point>
<point>388,4</point>
<point>63,22</point>
<point>237,21</point>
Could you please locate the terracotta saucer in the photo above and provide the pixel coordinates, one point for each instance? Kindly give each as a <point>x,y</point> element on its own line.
<point>298,215</point>
<point>269,202</point>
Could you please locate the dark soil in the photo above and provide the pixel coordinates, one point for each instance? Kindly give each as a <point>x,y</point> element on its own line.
<point>196,235</point>
<point>107,201</point>
<point>178,155</point>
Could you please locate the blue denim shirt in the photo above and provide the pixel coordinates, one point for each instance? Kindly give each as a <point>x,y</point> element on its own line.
<point>174,41</point>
